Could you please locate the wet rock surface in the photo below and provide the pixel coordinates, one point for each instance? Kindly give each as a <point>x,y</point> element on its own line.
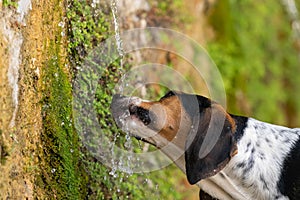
<point>25,32</point>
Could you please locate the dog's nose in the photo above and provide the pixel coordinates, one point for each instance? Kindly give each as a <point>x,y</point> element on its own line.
<point>118,105</point>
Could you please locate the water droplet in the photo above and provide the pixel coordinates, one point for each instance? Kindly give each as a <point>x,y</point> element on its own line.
<point>61,24</point>
<point>128,142</point>
<point>146,181</point>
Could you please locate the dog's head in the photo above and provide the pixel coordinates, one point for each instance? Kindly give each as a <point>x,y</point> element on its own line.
<point>195,124</point>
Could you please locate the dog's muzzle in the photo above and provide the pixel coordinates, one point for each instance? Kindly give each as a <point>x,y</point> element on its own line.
<point>122,107</point>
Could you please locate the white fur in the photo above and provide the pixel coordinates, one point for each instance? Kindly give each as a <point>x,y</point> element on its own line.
<point>267,146</point>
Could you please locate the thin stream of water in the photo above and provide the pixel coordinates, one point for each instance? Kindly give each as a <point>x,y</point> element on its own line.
<point>125,163</point>
<point>114,10</point>
<point>15,39</point>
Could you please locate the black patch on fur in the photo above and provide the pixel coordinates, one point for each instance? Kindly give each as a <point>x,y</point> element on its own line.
<point>258,144</point>
<point>248,147</point>
<point>262,155</point>
<point>241,165</point>
<point>289,182</point>
<point>222,175</point>
<point>198,168</point>
<point>282,133</point>
<point>241,124</point>
<point>204,196</point>
<point>287,140</point>
<point>249,165</point>
<point>273,131</point>
<point>248,144</point>
<point>194,105</point>
<point>265,185</point>
<point>262,126</point>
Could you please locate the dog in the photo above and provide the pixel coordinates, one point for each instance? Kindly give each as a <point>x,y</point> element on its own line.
<point>227,156</point>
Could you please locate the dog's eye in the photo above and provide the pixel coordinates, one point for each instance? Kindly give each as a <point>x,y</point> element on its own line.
<point>132,109</point>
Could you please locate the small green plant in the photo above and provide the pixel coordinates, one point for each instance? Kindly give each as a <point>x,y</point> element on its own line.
<point>87,27</point>
<point>10,3</point>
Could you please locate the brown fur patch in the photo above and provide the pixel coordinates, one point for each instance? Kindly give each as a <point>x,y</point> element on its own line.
<point>172,109</point>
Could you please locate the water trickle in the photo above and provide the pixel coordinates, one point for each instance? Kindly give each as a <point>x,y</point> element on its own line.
<point>114,10</point>
<point>119,42</point>
<point>23,7</point>
<point>114,165</point>
<point>14,38</point>
<point>124,163</point>
<point>128,142</point>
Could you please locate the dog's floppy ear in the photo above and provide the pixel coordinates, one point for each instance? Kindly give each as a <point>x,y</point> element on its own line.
<point>210,147</point>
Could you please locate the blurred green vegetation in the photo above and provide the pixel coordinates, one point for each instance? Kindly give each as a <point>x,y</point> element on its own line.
<point>255,52</point>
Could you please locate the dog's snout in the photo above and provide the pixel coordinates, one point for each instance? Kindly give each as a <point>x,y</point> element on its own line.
<point>118,107</point>
<point>117,98</point>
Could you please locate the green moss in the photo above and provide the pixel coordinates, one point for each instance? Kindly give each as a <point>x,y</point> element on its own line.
<point>87,27</point>
<point>61,175</point>
<point>10,3</point>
